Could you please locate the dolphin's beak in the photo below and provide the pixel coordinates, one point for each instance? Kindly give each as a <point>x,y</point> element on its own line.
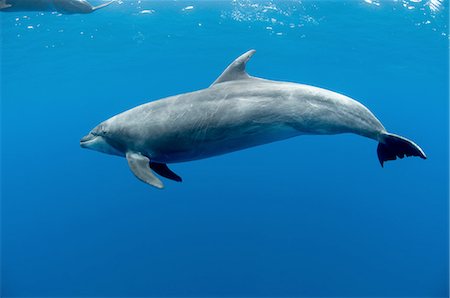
<point>84,142</point>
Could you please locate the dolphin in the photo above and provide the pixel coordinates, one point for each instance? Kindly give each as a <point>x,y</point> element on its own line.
<point>61,6</point>
<point>236,112</point>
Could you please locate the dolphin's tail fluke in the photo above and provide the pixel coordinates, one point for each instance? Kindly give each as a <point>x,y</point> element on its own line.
<point>3,4</point>
<point>102,5</point>
<point>392,146</point>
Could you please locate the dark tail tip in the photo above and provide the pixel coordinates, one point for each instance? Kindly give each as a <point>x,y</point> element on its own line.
<point>392,146</point>
<point>94,8</point>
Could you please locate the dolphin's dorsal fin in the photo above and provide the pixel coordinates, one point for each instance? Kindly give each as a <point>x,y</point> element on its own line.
<point>236,70</point>
<point>140,166</point>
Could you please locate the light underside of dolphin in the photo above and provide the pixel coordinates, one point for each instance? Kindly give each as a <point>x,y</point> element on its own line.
<point>236,112</point>
<point>62,6</point>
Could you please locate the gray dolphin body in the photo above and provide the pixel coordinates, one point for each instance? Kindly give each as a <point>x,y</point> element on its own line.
<point>236,112</point>
<point>62,6</point>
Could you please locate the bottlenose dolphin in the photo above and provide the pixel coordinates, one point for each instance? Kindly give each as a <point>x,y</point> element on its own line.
<point>236,112</point>
<point>62,6</point>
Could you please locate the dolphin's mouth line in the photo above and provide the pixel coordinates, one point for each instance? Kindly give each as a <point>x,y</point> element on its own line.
<point>87,139</point>
<point>100,143</point>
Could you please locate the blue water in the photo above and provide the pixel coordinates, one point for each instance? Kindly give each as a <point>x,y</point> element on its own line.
<point>309,216</point>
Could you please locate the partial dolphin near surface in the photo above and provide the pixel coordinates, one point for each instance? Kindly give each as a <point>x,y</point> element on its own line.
<point>236,112</point>
<point>62,6</point>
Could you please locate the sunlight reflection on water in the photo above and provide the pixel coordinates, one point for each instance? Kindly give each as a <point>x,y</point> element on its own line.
<point>278,18</point>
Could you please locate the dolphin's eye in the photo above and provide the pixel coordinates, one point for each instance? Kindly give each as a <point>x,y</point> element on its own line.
<point>99,131</point>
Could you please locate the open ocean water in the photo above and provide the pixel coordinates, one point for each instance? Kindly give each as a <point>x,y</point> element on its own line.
<point>309,216</point>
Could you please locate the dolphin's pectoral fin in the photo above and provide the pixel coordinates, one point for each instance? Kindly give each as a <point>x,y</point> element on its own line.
<point>236,70</point>
<point>139,165</point>
<point>102,5</point>
<point>163,170</point>
<point>4,5</point>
